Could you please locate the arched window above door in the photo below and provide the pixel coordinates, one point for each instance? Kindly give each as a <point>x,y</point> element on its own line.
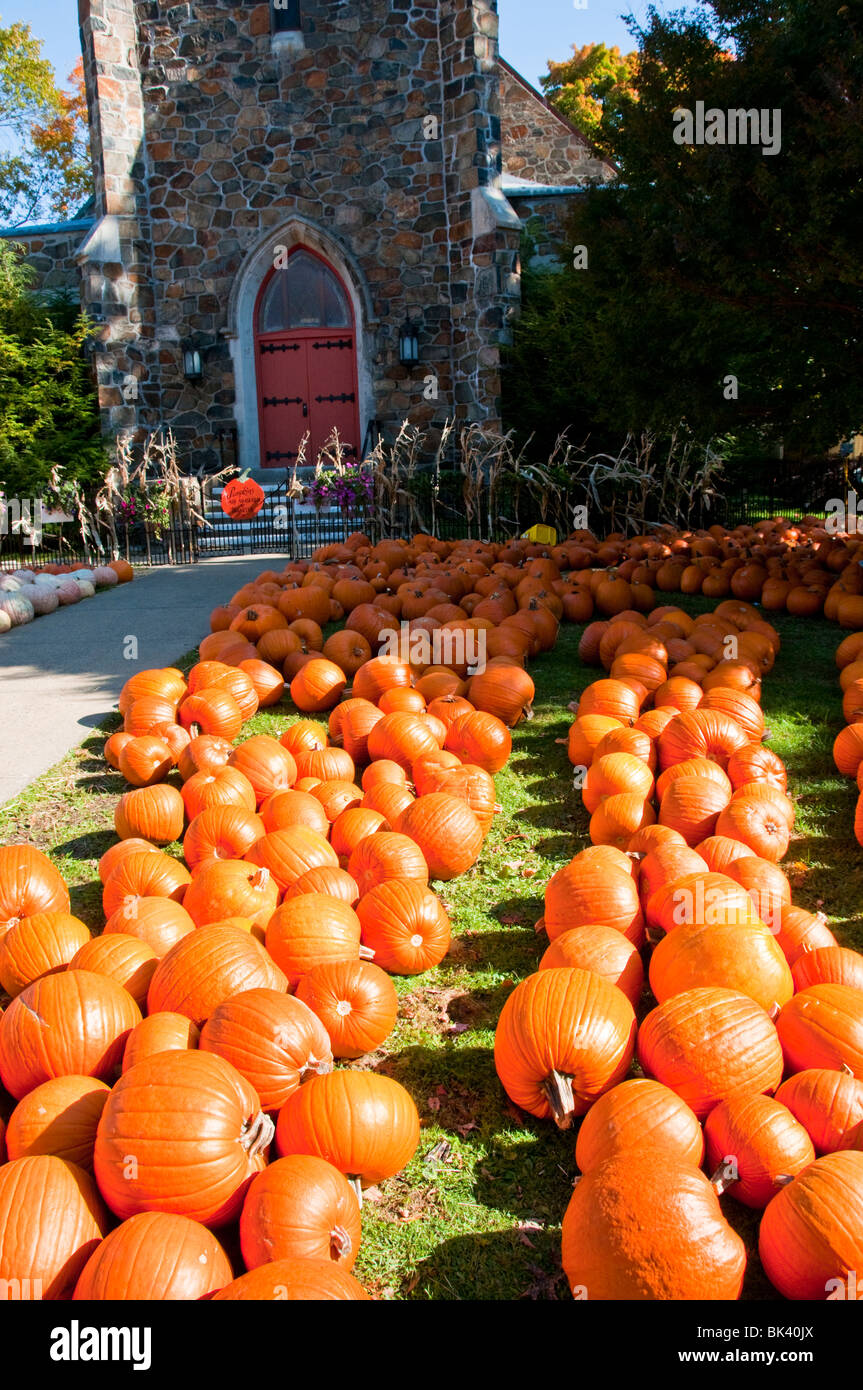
<point>305,294</point>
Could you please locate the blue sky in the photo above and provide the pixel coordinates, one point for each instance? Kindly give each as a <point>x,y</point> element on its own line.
<point>531,31</point>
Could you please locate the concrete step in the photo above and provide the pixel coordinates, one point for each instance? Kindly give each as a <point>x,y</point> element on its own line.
<point>304,513</point>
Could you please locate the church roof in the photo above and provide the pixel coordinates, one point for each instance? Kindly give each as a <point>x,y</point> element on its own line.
<point>544,101</point>
<point>562,120</point>
<point>512,186</point>
<point>80,221</point>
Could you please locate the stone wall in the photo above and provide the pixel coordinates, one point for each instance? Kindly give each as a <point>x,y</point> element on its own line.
<point>546,217</point>
<point>51,253</point>
<point>538,144</point>
<point>215,143</point>
<point>115,261</point>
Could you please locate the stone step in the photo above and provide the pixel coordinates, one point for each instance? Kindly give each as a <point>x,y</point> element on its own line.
<point>304,513</point>
<point>271,478</point>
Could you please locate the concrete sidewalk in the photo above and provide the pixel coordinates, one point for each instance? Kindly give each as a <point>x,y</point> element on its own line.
<point>62,674</point>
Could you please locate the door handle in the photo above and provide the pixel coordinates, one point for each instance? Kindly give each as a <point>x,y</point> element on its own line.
<point>305,408</point>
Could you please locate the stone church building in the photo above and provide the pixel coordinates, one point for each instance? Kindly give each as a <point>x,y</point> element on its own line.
<point>306,216</point>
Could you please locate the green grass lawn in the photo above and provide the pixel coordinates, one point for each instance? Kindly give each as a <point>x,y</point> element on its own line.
<point>477,1213</point>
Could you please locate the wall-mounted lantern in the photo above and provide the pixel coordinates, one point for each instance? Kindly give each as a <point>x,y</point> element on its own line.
<point>192,368</point>
<point>409,348</point>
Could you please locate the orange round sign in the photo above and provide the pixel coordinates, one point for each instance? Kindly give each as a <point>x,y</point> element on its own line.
<point>242,499</point>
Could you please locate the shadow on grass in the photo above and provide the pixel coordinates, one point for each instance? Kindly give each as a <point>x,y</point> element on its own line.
<point>525,909</point>
<point>108,784</point>
<point>515,949</point>
<point>91,845</point>
<point>465,1072</point>
<point>493,1265</point>
<point>546,816</point>
<point>86,904</point>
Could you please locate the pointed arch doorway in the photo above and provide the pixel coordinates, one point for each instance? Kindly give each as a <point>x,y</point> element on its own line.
<point>306,360</point>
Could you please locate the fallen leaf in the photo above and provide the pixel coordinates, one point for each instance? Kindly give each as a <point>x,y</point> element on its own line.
<point>433,1103</point>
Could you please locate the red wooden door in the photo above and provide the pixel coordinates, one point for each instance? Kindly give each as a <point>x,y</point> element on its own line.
<point>305,345</point>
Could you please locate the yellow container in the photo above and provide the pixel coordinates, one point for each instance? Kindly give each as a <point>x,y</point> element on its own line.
<point>541,535</point>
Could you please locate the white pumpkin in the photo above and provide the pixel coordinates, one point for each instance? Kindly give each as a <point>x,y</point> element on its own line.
<point>43,599</point>
<point>69,591</point>
<point>87,588</point>
<point>5,622</point>
<point>9,584</point>
<point>104,577</point>
<point>18,607</point>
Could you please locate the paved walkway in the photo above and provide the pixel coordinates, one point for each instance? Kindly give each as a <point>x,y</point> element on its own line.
<point>62,674</point>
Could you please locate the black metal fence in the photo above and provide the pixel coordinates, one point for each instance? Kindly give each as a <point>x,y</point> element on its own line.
<point>756,488</point>
<point>195,527</point>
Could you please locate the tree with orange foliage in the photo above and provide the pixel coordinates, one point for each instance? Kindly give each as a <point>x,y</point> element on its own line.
<point>591,85</point>
<point>45,167</point>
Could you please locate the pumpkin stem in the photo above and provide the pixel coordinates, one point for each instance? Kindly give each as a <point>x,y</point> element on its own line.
<point>783,1179</point>
<point>774,1011</point>
<point>358,1189</point>
<point>318,1067</point>
<point>257,1134</point>
<point>367,953</point>
<point>720,1181</point>
<point>558,1092</point>
<point>341,1244</point>
<point>539,926</point>
<point>260,879</point>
